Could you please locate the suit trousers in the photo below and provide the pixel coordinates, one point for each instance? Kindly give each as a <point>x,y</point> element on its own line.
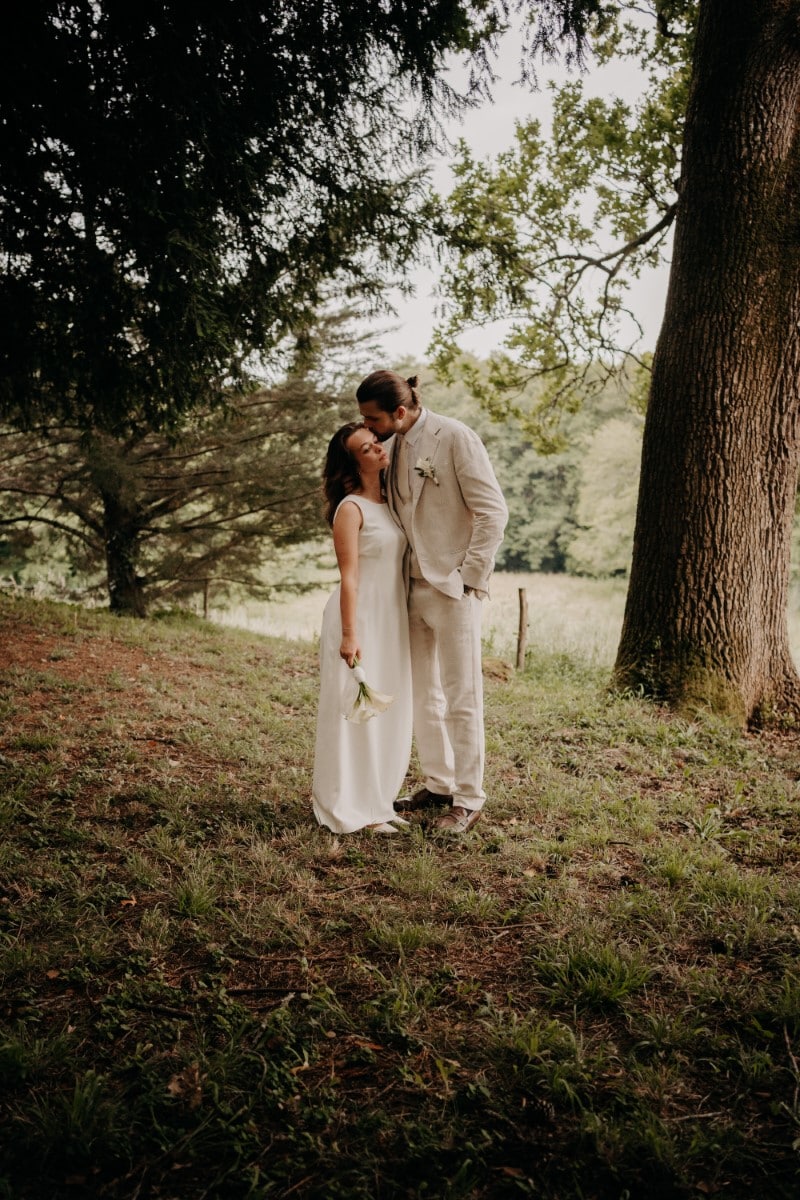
<point>448,691</point>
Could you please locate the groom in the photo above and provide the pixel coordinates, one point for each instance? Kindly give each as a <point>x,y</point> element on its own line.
<point>443,491</point>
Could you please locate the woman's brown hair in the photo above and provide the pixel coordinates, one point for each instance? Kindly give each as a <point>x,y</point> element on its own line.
<point>340,474</point>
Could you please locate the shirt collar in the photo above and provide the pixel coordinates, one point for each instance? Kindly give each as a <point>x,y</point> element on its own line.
<point>414,433</point>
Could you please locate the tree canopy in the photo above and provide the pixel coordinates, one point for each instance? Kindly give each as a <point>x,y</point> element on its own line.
<point>179,184</point>
<point>181,190</point>
<point>549,236</point>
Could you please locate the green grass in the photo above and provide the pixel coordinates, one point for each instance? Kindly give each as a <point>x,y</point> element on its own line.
<point>203,994</point>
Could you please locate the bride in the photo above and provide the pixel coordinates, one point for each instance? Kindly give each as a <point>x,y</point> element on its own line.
<point>359,768</point>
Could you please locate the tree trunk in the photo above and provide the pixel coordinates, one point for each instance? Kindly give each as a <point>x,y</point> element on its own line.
<point>705,621</point>
<point>115,481</point>
<point>125,585</point>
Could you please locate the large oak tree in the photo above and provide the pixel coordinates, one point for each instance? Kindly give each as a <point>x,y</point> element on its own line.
<point>705,622</point>
<point>706,614</point>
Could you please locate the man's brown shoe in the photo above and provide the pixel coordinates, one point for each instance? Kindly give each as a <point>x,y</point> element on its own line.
<point>421,799</point>
<point>458,820</point>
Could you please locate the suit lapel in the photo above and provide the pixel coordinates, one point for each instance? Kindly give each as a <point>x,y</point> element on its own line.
<point>428,445</point>
<point>391,478</point>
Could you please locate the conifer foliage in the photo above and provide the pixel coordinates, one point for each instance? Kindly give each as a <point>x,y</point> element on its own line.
<point>180,181</point>
<point>167,519</point>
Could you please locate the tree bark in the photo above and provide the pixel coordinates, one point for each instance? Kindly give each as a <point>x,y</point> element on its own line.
<point>705,621</point>
<point>123,519</point>
<point>125,585</point>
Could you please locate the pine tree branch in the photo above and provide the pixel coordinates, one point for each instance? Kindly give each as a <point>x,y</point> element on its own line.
<point>52,523</point>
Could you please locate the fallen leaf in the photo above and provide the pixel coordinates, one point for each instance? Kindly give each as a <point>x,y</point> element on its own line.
<point>363,1044</point>
<point>127,903</point>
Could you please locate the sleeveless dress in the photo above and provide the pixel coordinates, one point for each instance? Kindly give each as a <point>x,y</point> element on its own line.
<point>359,769</point>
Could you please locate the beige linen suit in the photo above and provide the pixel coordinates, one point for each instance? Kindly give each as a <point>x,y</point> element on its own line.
<point>454,515</point>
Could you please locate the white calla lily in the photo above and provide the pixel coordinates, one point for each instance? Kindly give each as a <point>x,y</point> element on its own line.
<point>368,703</point>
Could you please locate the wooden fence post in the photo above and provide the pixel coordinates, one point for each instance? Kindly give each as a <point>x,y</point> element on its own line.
<point>522,635</point>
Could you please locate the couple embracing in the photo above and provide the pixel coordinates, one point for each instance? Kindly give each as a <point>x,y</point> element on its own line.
<point>415,532</point>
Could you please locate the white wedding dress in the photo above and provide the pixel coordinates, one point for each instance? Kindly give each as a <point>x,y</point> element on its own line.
<point>359,769</point>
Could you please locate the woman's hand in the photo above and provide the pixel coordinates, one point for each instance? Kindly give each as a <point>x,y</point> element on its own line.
<point>350,650</point>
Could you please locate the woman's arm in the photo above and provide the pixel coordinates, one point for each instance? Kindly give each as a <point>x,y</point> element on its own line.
<point>345,542</point>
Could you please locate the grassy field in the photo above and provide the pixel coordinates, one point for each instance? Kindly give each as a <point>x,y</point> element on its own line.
<point>566,613</point>
<point>595,995</point>
<point>579,617</point>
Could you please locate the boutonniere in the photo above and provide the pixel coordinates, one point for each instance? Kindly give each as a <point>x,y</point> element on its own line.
<point>426,469</point>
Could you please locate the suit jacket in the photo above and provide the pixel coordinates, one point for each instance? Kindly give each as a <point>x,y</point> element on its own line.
<point>458,513</point>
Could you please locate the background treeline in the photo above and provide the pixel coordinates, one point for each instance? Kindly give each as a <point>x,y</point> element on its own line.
<point>231,504</point>
<point>571,500</point>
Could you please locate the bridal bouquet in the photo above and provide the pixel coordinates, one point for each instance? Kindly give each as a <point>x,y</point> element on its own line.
<point>368,702</point>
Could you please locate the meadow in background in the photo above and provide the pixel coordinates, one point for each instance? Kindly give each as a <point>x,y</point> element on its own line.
<point>566,615</point>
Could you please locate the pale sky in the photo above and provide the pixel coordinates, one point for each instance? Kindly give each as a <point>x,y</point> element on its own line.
<point>489,130</point>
